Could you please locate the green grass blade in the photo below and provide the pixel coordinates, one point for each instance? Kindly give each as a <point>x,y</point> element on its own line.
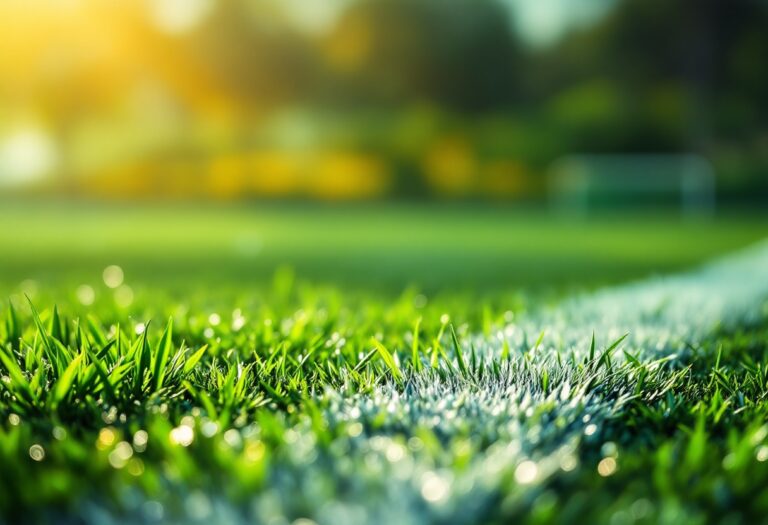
<point>18,379</point>
<point>47,343</point>
<point>459,353</point>
<point>415,358</point>
<point>191,363</point>
<point>161,356</point>
<point>62,387</point>
<point>388,359</point>
<point>12,328</point>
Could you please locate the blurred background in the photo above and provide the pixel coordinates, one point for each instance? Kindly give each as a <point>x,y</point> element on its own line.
<point>421,133</point>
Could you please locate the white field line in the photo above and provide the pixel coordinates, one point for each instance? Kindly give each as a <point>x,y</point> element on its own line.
<point>447,450</point>
<point>531,434</point>
<point>662,315</point>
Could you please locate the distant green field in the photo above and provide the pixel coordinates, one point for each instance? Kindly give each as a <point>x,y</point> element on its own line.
<point>375,246</point>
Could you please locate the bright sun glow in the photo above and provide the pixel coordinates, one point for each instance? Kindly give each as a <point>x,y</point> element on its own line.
<point>26,154</point>
<point>314,16</point>
<point>179,16</point>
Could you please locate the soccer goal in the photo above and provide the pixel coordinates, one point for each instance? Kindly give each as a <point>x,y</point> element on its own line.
<point>579,184</point>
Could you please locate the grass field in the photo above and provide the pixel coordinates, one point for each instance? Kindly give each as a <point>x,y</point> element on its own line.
<point>381,365</point>
<point>383,247</point>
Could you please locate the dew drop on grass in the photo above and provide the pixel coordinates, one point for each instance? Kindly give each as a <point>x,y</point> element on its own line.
<point>120,455</point>
<point>606,467</point>
<point>237,323</point>
<point>759,436</point>
<point>182,435</point>
<point>113,276</point>
<point>140,439</point>
<point>109,416</point>
<point>232,438</point>
<point>106,438</point>
<point>355,429</point>
<point>209,428</point>
<point>526,472</point>
<point>395,452</point>
<point>85,294</point>
<point>37,452</point>
<point>434,488</point>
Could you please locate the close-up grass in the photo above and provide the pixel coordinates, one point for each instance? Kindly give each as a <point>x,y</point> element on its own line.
<point>283,401</point>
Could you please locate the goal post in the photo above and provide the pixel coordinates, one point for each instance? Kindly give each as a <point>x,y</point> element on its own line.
<point>578,184</point>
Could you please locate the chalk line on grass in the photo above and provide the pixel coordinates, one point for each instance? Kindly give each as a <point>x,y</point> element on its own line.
<point>450,447</point>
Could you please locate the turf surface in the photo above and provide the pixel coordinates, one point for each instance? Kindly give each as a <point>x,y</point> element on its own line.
<point>288,402</point>
<point>373,247</point>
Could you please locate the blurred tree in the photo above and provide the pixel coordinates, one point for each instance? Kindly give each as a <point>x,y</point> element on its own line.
<point>255,54</point>
<point>459,54</point>
<point>441,92</point>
